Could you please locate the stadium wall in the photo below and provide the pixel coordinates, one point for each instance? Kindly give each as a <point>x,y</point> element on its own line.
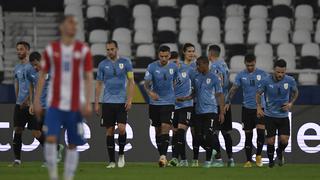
<point>304,145</point>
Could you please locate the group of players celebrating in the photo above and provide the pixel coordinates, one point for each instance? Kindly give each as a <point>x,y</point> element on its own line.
<point>184,92</point>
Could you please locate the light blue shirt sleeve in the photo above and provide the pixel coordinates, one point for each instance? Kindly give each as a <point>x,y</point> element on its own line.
<point>100,73</point>
<point>148,74</point>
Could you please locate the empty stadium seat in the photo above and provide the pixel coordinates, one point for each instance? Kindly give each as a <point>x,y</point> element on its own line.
<point>237,63</point>
<point>286,50</point>
<point>96,2</point>
<point>301,37</point>
<point>235,10</point>
<point>98,49</point>
<point>72,2</point>
<point>281,23</point>
<point>210,36</point>
<point>309,62</point>
<point>234,37</point>
<point>167,24</point>
<point>143,23</point>
<point>281,11</point>
<point>188,36</point>
<point>258,11</point>
<point>318,24</point>
<point>122,35</point>
<point>124,49</point>
<point>190,10</point>
<point>304,11</point>
<point>317,36</point>
<point>210,22</point>
<point>189,23</point>
<point>256,36</point>
<point>166,37</point>
<point>232,77</point>
<point>310,49</point>
<point>98,36</point>
<point>279,36</point>
<point>291,62</point>
<point>264,62</point>
<point>143,36</point>
<point>167,3</point>
<point>303,24</point>
<point>233,23</point>
<point>146,50</point>
<point>308,78</point>
<point>124,3</point>
<point>141,10</point>
<point>95,11</point>
<point>75,10</point>
<point>263,50</point>
<point>258,24</point>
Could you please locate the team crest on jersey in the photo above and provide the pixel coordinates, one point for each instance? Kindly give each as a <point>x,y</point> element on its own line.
<point>285,85</point>
<point>208,80</point>
<point>259,77</point>
<point>171,71</point>
<point>184,74</point>
<point>77,55</point>
<point>121,66</point>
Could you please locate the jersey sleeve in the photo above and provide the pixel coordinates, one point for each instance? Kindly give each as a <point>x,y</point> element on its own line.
<point>87,60</point>
<point>100,73</point>
<point>293,84</point>
<point>148,74</point>
<point>217,84</point>
<point>262,86</point>
<point>237,80</point>
<point>45,62</point>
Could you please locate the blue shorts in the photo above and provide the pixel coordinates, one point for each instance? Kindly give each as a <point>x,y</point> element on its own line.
<point>71,121</point>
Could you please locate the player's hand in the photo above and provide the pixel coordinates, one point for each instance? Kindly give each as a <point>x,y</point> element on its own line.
<point>227,107</point>
<point>154,96</point>
<point>87,110</point>
<point>286,106</point>
<point>221,117</point>
<point>24,104</point>
<point>260,112</point>
<point>31,109</point>
<point>38,109</point>
<point>128,105</point>
<point>97,109</point>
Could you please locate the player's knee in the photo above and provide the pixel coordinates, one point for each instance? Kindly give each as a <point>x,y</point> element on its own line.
<point>51,139</point>
<point>182,126</point>
<point>165,128</point>
<point>36,133</point>
<point>72,146</point>
<point>110,131</point>
<point>271,140</point>
<point>284,139</point>
<point>122,129</point>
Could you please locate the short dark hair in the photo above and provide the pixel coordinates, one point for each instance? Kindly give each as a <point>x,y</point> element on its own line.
<point>113,42</point>
<point>24,43</point>
<point>164,48</point>
<point>35,56</point>
<point>203,59</point>
<point>280,63</point>
<point>186,46</point>
<point>174,54</point>
<point>215,48</point>
<point>249,58</point>
<point>65,17</point>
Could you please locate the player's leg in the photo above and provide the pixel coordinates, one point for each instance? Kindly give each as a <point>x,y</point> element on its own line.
<point>226,133</point>
<point>260,141</point>
<point>174,140</point>
<point>183,121</point>
<point>216,159</point>
<point>52,127</point>
<point>122,117</point>
<point>271,133</point>
<point>155,122</point>
<point>35,126</point>
<point>73,124</point>
<point>284,134</point>
<point>208,128</point>
<point>195,140</point>
<point>109,121</point>
<point>248,121</point>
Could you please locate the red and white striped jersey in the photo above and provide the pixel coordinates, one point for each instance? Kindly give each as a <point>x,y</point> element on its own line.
<point>66,65</point>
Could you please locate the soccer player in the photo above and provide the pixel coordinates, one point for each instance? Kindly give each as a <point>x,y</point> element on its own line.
<point>248,80</point>
<point>21,111</point>
<point>183,109</point>
<point>159,84</point>
<point>219,67</point>
<point>208,95</point>
<point>116,75</point>
<point>33,76</point>
<point>69,63</point>
<point>280,91</point>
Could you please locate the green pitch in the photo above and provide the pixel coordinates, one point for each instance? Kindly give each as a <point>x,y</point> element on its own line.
<point>150,171</point>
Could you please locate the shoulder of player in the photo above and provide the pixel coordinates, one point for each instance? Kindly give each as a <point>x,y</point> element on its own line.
<point>289,78</point>
<point>124,59</point>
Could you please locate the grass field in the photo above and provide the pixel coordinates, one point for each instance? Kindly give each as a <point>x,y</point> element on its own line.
<point>148,171</point>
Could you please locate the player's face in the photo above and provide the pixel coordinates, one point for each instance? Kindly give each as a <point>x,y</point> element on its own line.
<point>279,72</point>
<point>36,65</point>
<point>189,54</point>
<point>22,51</point>
<point>69,27</point>
<point>164,57</point>
<point>112,51</point>
<point>250,66</point>
<point>202,67</point>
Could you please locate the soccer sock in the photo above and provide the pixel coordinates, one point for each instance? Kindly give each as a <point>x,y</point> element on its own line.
<point>174,145</point>
<point>248,145</point>
<point>228,141</point>
<point>158,142</point>
<point>208,141</point>
<point>17,144</point>
<point>260,140</point>
<point>195,146</point>
<point>71,163</point>
<point>282,146</point>
<point>41,139</point>
<point>122,142</point>
<point>110,147</point>
<point>215,144</point>
<point>181,143</point>
<point>164,144</point>
<point>50,154</point>
<point>270,151</point>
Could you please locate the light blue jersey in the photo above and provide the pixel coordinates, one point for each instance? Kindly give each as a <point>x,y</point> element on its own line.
<point>220,68</point>
<point>277,93</point>
<point>23,83</point>
<point>249,83</point>
<point>162,78</point>
<point>183,85</point>
<point>114,76</point>
<point>205,87</point>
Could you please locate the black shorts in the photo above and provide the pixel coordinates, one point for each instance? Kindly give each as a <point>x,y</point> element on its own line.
<point>205,123</point>
<point>159,114</point>
<point>227,124</point>
<point>280,126</point>
<point>250,119</point>
<point>22,117</point>
<point>112,114</point>
<point>182,116</point>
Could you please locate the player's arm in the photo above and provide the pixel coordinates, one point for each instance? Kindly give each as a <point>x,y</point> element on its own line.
<point>260,112</point>
<point>88,80</point>
<point>31,95</point>
<point>147,87</point>
<point>16,88</point>
<point>230,95</point>
<point>220,100</point>
<point>98,88</point>
<point>293,97</point>
<point>38,92</point>
<point>130,90</point>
